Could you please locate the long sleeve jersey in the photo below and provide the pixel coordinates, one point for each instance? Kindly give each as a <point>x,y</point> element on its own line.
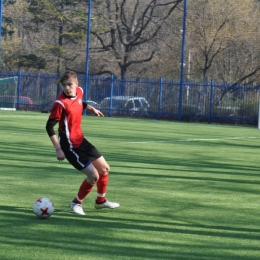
<point>67,111</point>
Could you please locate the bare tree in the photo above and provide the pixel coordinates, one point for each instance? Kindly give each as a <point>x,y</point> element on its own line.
<point>222,37</point>
<point>137,38</point>
<point>125,32</point>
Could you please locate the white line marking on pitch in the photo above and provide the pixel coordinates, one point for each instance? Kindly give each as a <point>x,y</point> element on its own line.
<point>165,141</point>
<point>197,139</point>
<point>18,133</point>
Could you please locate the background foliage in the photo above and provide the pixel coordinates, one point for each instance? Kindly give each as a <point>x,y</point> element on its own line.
<point>135,38</point>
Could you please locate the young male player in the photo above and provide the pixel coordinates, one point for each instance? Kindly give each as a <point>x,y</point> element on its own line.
<point>67,111</point>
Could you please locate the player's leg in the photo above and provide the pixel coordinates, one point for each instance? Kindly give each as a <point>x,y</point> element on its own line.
<point>88,183</point>
<point>80,160</point>
<point>102,168</point>
<point>85,188</point>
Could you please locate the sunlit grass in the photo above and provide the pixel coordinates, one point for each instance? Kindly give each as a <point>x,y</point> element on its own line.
<point>187,191</point>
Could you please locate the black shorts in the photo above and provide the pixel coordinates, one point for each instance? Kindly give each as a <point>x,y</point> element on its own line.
<point>82,156</point>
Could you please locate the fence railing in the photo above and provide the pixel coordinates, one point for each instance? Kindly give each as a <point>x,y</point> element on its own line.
<point>158,99</point>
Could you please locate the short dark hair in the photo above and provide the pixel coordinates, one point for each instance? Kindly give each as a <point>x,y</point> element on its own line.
<point>66,75</point>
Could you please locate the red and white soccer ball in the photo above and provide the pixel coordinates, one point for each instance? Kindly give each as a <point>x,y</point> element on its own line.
<point>43,208</point>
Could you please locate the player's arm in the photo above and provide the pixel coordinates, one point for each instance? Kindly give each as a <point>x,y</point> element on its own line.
<point>92,109</point>
<point>50,130</point>
<point>53,119</point>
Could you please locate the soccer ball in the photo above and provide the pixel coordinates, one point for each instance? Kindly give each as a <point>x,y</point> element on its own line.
<point>43,208</point>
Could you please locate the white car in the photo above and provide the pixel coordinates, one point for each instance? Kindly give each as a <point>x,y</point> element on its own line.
<point>93,103</point>
<point>125,104</point>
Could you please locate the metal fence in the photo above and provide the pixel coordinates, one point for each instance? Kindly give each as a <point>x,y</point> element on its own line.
<point>146,98</point>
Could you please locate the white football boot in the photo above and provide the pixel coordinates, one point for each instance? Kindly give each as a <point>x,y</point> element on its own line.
<point>107,204</point>
<point>77,208</point>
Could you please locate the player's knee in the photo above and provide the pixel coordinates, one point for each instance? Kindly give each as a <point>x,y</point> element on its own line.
<point>93,179</point>
<point>105,170</point>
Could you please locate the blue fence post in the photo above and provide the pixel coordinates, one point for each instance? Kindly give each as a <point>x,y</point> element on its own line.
<point>111,95</point>
<point>85,97</point>
<point>160,99</point>
<point>18,89</point>
<point>211,101</point>
<point>86,87</point>
<point>182,56</point>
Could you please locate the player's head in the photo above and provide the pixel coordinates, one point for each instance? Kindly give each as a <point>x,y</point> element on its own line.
<point>69,83</point>
<point>66,75</point>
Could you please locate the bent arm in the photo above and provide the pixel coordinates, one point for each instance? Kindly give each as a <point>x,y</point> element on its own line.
<point>50,130</point>
<point>92,109</point>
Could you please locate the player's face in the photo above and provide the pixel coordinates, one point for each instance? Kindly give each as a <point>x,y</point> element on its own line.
<point>69,87</point>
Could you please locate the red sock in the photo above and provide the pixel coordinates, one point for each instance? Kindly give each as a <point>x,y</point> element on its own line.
<point>84,190</point>
<point>102,187</point>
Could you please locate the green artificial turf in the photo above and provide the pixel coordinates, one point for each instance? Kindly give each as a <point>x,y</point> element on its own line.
<point>187,192</point>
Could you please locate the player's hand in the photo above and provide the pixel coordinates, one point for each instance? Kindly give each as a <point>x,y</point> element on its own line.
<point>60,155</point>
<point>97,112</point>
<point>94,111</point>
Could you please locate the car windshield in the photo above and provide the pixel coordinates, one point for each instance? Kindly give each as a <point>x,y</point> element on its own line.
<point>144,103</point>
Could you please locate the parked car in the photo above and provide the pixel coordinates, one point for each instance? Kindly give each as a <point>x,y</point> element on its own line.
<point>8,101</point>
<point>93,104</point>
<point>125,105</point>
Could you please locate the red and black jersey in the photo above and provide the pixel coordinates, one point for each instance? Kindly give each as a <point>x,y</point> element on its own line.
<point>68,112</point>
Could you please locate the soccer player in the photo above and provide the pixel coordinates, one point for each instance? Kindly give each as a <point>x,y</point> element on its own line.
<point>72,145</point>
